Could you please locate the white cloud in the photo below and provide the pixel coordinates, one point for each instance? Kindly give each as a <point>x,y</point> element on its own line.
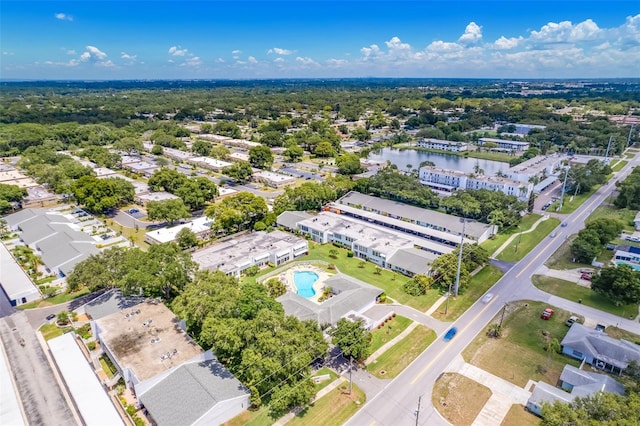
<point>444,47</point>
<point>107,64</point>
<point>125,55</point>
<point>566,32</point>
<point>95,53</point>
<point>504,43</point>
<point>63,17</point>
<point>370,52</point>
<point>7,53</point>
<point>193,61</point>
<point>177,51</point>
<point>252,60</point>
<point>279,51</point>
<point>306,61</point>
<point>472,34</point>
<point>220,60</point>
<point>332,62</point>
<point>278,60</point>
<point>71,52</point>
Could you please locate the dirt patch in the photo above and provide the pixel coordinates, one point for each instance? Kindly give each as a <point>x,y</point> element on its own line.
<point>459,399</point>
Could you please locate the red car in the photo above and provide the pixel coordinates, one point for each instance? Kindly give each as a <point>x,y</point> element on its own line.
<point>586,277</point>
<point>546,314</point>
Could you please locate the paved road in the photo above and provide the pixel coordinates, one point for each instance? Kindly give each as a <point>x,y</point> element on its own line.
<point>39,392</point>
<point>397,403</point>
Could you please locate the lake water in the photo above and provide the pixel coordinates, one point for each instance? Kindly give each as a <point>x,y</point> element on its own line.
<point>445,161</point>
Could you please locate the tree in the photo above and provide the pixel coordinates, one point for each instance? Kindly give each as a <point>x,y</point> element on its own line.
<point>99,195</point>
<point>240,171</point>
<point>157,150</point>
<point>361,134</point>
<point>12,193</point>
<point>220,152</point>
<point>418,285</point>
<point>129,145</point>
<point>324,149</point>
<point>582,178</point>
<point>352,338</point>
<point>167,210</point>
<point>620,283</point>
<point>606,229</point>
<point>196,192</point>
<point>348,164</point>
<point>275,287</point>
<point>166,179</point>
<point>62,317</point>
<point>261,157</point>
<point>4,229</point>
<point>225,128</point>
<point>186,238</point>
<point>445,269</point>
<point>201,147</point>
<point>237,212</point>
<point>600,408</point>
<point>294,153</point>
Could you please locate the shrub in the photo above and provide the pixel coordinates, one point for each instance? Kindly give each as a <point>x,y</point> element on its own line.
<point>350,254</point>
<point>91,346</point>
<point>131,410</point>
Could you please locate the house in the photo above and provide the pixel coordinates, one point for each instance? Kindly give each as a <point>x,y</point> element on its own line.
<point>627,255</point>
<point>636,221</point>
<point>599,350</point>
<point>350,297</point>
<point>143,199</point>
<point>574,383</point>
<point>209,163</point>
<point>172,376</point>
<point>272,179</point>
<point>200,226</point>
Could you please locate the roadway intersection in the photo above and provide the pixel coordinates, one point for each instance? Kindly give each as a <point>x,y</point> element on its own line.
<point>398,401</point>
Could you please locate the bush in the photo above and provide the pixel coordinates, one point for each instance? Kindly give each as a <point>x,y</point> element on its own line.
<point>91,346</point>
<point>131,410</point>
<point>414,288</point>
<point>350,254</point>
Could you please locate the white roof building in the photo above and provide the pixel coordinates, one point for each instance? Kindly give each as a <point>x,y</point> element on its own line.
<point>198,226</point>
<point>209,163</point>
<point>14,281</point>
<point>272,179</point>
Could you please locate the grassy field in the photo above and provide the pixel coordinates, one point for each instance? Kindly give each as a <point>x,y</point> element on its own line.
<point>55,300</point>
<point>388,331</point>
<point>49,331</point>
<point>618,333</point>
<point>335,408</point>
<point>517,415</point>
<point>519,354</point>
<point>259,417</point>
<point>528,241</point>
<point>569,205</point>
<point>392,362</point>
<point>625,216</point>
<point>574,292</point>
<point>491,245</point>
<point>562,258</point>
<point>387,280</point>
<point>479,284</point>
<point>458,398</point>
<point>619,165</point>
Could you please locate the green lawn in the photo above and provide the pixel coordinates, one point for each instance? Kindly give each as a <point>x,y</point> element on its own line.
<point>619,165</point>
<point>519,355</point>
<point>55,300</point>
<point>324,384</point>
<point>625,216</point>
<point>259,417</point>
<point>492,244</point>
<point>107,366</point>
<point>393,361</point>
<point>388,331</point>
<point>574,292</point>
<point>478,285</point>
<point>562,258</point>
<point>49,331</point>
<point>387,280</point>
<point>528,241</point>
<point>570,205</point>
<point>335,408</point>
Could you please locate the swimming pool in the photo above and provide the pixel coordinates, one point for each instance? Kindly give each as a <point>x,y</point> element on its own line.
<point>634,267</point>
<point>304,281</point>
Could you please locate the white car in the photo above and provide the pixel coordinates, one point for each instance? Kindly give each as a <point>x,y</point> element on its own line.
<point>487,298</point>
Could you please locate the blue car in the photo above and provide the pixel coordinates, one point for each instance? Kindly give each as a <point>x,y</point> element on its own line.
<point>450,333</point>
<point>134,211</point>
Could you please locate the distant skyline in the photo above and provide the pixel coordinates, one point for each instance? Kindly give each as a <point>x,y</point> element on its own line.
<point>107,40</point>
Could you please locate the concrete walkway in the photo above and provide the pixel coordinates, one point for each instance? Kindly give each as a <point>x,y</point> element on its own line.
<point>436,305</point>
<point>391,342</point>
<point>506,243</point>
<point>503,393</point>
<point>287,417</point>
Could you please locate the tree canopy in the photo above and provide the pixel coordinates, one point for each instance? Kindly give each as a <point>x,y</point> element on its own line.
<point>619,283</point>
<point>99,195</point>
<point>167,210</point>
<point>237,212</point>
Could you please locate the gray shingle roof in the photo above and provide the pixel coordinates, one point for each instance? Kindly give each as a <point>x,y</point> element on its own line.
<point>350,294</point>
<point>598,345</point>
<point>544,392</point>
<point>190,391</point>
<point>290,219</point>
<point>586,382</point>
<point>412,260</point>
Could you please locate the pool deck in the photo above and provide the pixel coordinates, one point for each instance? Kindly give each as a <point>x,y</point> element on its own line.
<point>287,278</point>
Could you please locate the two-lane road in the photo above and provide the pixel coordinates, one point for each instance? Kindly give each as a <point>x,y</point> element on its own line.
<point>397,403</point>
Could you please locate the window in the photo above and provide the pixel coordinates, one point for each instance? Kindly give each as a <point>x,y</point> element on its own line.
<point>577,354</point>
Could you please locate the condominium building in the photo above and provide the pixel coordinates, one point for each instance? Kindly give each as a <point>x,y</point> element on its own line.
<point>541,166</point>
<point>505,145</point>
<point>443,145</point>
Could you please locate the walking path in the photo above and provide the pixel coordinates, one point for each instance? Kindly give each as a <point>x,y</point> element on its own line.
<point>506,243</point>
<point>391,342</point>
<point>287,417</point>
<point>503,393</point>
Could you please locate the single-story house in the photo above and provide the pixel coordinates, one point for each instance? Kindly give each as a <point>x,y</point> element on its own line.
<point>599,350</point>
<point>636,221</point>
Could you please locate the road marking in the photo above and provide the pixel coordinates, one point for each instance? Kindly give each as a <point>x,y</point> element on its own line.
<point>469,324</point>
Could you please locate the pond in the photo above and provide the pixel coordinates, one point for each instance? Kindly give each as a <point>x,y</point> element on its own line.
<point>402,158</point>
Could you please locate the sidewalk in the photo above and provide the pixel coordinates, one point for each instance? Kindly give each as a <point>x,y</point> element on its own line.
<point>287,417</point>
<point>506,243</point>
<point>391,342</point>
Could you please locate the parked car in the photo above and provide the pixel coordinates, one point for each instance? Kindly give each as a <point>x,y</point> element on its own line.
<point>585,277</point>
<point>133,211</point>
<point>487,298</point>
<point>50,317</point>
<point>600,327</point>
<point>571,320</point>
<point>546,314</point>
<point>450,333</point>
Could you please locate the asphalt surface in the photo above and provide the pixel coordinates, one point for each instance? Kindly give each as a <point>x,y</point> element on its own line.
<point>397,403</point>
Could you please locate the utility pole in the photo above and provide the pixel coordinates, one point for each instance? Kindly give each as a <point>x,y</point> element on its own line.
<point>350,368</point>
<point>564,185</point>
<point>606,155</point>
<point>629,137</point>
<point>504,308</point>
<point>455,290</point>
<point>418,410</point>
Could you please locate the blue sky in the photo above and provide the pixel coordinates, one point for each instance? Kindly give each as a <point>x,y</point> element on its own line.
<point>89,39</point>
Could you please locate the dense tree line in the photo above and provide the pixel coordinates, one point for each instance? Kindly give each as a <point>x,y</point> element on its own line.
<point>593,237</point>
<point>629,191</point>
<point>195,192</point>
<point>246,328</point>
<point>10,194</point>
<point>390,184</point>
<point>311,196</point>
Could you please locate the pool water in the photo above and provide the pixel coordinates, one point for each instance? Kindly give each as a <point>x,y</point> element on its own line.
<point>304,281</point>
<point>634,267</point>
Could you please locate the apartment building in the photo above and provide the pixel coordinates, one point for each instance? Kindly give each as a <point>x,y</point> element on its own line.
<point>443,145</point>
<point>505,145</point>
